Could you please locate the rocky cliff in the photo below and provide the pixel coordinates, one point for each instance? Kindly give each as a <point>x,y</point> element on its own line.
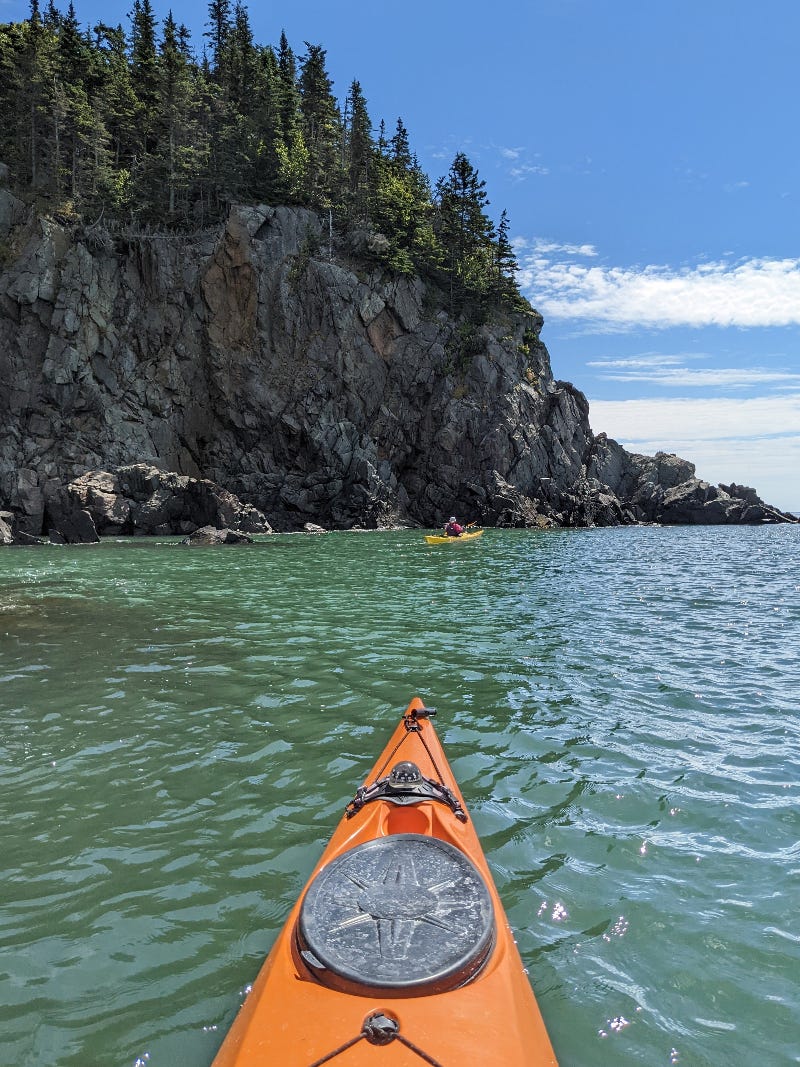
<point>266,359</point>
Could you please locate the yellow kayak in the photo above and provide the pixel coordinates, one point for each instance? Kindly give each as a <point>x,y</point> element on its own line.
<point>442,539</point>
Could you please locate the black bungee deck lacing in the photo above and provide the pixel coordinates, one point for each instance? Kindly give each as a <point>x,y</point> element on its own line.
<point>379,1029</point>
<point>421,789</point>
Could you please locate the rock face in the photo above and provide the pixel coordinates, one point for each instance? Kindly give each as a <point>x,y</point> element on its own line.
<point>315,388</point>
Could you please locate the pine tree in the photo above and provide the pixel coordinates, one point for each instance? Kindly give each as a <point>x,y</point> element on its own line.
<point>148,130</point>
<point>73,54</point>
<point>175,127</point>
<point>320,127</point>
<point>465,233</point>
<point>289,97</point>
<point>219,30</point>
<point>242,61</point>
<point>507,291</point>
<point>121,104</point>
<point>52,17</point>
<point>27,70</point>
<point>401,153</point>
<point>288,149</point>
<point>358,151</point>
<point>79,136</point>
<point>144,72</point>
<point>266,117</point>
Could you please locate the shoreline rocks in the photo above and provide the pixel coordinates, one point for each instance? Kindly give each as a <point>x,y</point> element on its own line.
<point>234,378</point>
<point>138,499</point>
<point>211,535</point>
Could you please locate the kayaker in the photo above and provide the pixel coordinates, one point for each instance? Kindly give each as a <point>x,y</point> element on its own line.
<point>452,529</point>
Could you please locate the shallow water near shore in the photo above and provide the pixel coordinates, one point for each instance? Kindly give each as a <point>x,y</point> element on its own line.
<point>181,729</point>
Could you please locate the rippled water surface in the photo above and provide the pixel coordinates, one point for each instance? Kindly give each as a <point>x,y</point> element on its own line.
<point>182,727</point>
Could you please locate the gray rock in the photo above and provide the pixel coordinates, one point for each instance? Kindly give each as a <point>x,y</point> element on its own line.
<point>72,527</point>
<point>140,498</point>
<point>6,528</point>
<point>12,212</point>
<point>210,535</point>
<point>263,358</point>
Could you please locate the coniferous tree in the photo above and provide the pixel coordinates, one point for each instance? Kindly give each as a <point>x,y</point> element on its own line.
<point>80,138</point>
<point>401,208</point>
<point>144,73</point>
<point>121,104</point>
<point>507,290</point>
<point>219,30</point>
<point>52,17</point>
<point>289,96</point>
<point>464,232</point>
<point>147,130</point>
<point>242,61</point>
<point>73,54</point>
<point>289,147</point>
<point>27,70</point>
<point>401,153</point>
<point>320,127</point>
<point>266,119</point>
<point>176,128</point>
<point>358,152</point>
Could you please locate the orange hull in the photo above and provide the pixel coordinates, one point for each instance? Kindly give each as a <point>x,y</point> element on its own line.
<point>417,965</point>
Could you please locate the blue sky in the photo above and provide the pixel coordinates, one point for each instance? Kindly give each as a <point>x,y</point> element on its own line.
<point>647,155</point>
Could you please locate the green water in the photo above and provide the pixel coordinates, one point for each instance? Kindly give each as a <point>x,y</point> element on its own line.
<point>182,727</point>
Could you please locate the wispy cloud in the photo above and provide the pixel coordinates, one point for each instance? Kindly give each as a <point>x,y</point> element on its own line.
<point>754,292</point>
<point>543,248</point>
<point>517,166</point>
<point>644,361</point>
<point>679,376</point>
<point>525,170</point>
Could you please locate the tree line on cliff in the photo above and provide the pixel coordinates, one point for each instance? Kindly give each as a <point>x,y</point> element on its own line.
<point>131,125</point>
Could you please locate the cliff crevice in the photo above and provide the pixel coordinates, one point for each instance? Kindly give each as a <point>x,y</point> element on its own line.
<point>315,387</point>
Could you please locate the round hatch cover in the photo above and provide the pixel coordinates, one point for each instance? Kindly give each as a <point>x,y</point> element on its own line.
<point>396,914</point>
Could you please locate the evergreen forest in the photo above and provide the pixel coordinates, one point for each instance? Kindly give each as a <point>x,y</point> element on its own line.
<point>130,125</point>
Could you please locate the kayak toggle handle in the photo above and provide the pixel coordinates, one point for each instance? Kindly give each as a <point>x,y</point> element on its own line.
<point>414,716</point>
<point>380,1029</point>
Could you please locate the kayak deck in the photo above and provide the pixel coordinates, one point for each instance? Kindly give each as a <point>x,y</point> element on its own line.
<point>398,951</point>
<point>443,539</point>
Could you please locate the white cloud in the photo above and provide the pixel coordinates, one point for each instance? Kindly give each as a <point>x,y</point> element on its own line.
<point>715,377</point>
<point>541,248</point>
<point>647,361</point>
<point>526,169</point>
<point>756,292</point>
<point>753,441</point>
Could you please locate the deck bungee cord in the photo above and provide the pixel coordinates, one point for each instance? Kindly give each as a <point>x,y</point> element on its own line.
<point>398,947</point>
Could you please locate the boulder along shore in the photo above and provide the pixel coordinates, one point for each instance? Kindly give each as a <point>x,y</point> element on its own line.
<point>258,376</point>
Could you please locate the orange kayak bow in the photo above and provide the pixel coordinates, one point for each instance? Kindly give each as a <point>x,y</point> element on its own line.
<point>398,952</point>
